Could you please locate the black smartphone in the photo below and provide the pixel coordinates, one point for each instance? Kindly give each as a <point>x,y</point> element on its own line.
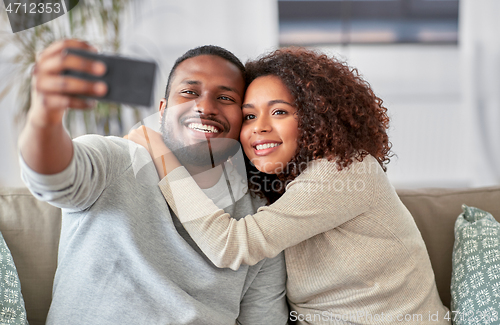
<point>130,81</point>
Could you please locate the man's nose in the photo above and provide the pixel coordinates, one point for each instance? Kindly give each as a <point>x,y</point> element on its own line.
<point>206,106</point>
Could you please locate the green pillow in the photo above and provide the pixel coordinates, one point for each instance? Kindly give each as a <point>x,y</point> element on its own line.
<point>475,281</point>
<point>12,309</point>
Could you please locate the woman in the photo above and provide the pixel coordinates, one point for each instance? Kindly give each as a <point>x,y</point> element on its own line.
<point>353,252</point>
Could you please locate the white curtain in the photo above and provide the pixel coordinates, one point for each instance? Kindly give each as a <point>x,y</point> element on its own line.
<point>480,49</point>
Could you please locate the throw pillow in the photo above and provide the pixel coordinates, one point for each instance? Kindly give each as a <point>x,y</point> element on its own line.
<point>12,309</point>
<point>475,282</point>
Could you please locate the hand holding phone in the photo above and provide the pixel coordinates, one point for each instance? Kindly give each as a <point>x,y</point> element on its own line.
<point>129,81</point>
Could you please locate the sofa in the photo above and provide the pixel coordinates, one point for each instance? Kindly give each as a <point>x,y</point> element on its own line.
<point>31,230</point>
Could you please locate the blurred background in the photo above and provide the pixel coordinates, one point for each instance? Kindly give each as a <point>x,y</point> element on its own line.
<point>435,63</point>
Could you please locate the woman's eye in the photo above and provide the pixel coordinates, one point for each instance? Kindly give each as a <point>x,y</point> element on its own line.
<point>249,117</point>
<point>279,112</point>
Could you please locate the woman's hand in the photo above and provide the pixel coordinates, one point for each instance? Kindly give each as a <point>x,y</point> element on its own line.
<point>149,139</point>
<point>163,158</point>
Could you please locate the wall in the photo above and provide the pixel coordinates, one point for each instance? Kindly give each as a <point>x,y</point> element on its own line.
<point>480,85</point>
<point>9,167</point>
<point>420,86</point>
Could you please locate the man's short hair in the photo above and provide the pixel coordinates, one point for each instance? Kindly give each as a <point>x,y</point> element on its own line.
<point>204,50</point>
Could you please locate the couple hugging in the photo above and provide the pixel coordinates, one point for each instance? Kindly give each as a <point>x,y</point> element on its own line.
<point>311,232</point>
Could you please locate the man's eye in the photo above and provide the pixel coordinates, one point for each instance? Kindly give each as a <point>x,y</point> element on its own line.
<point>226,98</point>
<point>189,92</point>
<point>249,117</point>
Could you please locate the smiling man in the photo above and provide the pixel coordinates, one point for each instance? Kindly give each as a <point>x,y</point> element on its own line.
<point>207,92</point>
<point>124,257</point>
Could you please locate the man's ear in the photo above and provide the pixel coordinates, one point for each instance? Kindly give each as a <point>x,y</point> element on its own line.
<point>163,105</point>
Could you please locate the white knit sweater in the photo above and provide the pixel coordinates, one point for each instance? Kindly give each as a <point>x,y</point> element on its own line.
<point>354,254</point>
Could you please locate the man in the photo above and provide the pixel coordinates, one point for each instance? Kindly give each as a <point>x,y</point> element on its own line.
<point>123,257</point>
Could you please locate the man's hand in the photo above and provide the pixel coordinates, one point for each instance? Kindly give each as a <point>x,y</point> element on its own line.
<point>164,160</point>
<point>53,92</point>
<point>44,143</point>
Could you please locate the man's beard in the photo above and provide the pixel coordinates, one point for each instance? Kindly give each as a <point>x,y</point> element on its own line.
<point>209,152</point>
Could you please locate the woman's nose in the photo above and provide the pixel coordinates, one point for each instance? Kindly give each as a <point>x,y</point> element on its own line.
<point>261,125</point>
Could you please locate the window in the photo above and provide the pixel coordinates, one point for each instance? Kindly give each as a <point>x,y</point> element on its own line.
<point>313,22</point>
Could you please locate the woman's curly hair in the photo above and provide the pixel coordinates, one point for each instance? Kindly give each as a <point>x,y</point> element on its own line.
<point>339,116</point>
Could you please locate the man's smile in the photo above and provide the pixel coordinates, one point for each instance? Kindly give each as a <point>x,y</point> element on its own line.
<point>203,128</point>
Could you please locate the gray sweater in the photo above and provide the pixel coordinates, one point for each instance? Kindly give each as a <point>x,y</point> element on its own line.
<point>124,258</point>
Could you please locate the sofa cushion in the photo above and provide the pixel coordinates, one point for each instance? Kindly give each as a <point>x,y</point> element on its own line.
<point>31,230</point>
<point>435,212</point>
<point>12,309</point>
<point>475,282</point>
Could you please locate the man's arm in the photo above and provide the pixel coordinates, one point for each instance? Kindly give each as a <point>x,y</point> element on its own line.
<point>265,300</point>
<point>44,144</point>
<point>56,169</point>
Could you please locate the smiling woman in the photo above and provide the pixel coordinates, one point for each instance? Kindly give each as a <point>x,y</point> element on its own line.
<point>270,127</point>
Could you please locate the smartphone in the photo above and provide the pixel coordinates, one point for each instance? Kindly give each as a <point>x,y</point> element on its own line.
<point>130,81</point>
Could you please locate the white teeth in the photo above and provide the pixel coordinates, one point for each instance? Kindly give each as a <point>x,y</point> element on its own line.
<point>266,146</point>
<point>203,128</point>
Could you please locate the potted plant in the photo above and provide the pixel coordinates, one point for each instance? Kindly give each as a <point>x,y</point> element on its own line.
<point>98,21</point>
